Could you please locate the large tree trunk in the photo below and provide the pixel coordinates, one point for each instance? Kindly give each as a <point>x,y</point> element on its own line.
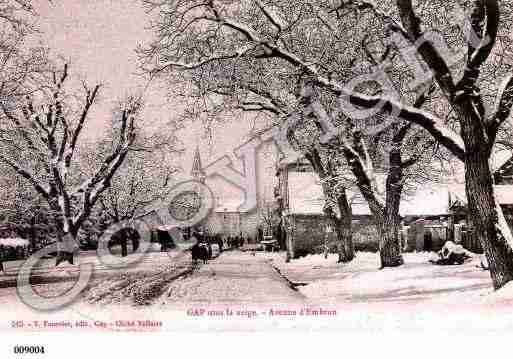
<point>386,217</point>
<point>124,247</point>
<point>67,249</point>
<point>345,247</point>
<point>488,219</point>
<point>345,241</point>
<point>490,224</point>
<point>387,224</point>
<point>67,245</point>
<point>343,229</point>
<point>390,243</point>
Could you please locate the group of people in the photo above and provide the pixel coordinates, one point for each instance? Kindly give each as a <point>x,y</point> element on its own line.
<point>209,246</point>
<point>206,247</point>
<point>224,242</point>
<point>235,241</point>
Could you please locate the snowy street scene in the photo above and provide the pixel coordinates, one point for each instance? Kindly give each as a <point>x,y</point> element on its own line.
<point>207,166</point>
<point>352,296</point>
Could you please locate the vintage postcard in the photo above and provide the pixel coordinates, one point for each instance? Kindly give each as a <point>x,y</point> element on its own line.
<point>227,166</point>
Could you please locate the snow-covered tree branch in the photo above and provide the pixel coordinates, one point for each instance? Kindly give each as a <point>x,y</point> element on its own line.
<point>51,132</point>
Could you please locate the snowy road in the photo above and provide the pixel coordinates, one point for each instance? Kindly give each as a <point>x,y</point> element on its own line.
<point>234,277</point>
<point>167,279</point>
<point>415,296</point>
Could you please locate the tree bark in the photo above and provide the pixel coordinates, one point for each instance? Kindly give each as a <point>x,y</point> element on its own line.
<point>61,256</point>
<point>290,246</point>
<point>66,253</point>
<point>345,246</point>
<point>488,219</point>
<point>390,243</point>
<point>343,229</point>
<point>386,216</point>
<point>490,225</point>
<point>124,247</point>
<point>387,221</point>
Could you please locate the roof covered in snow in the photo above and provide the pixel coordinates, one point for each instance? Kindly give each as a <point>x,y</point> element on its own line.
<point>504,194</point>
<point>306,197</point>
<point>305,193</point>
<point>13,242</point>
<point>427,201</point>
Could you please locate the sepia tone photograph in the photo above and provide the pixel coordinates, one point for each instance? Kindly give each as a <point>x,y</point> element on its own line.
<point>255,165</point>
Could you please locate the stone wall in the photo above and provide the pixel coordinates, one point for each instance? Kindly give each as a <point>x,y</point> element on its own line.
<point>309,235</point>
<point>365,235</point>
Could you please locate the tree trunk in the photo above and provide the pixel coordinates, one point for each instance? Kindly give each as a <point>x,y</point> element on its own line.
<point>388,224</point>
<point>345,242</point>
<point>343,229</point>
<point>67,247</point>
<point>390,243</point>
<point>345,239</point>
<point>33,234</point>
<point>124,246</point>
<point>65,236</point>
<point>345,246</point>
<point>487,216</point>
<point>64,256</point>
<point>386,217</point>
<point>490,224</point>
<point>290,246</point>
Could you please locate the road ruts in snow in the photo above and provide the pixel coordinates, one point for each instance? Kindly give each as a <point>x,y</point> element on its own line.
<point>234,277</point>
<point>137,284</point>
<point>140,287</point>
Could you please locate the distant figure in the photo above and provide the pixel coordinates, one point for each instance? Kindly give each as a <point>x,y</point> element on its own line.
<point>200,251</point>
<point>428,241</point>
<point>219,241</point>
<point>260,234</point>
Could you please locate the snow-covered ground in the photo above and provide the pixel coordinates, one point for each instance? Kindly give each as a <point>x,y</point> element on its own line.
<point>234,277</point>
<point>417,296</point>
<point>360,281</point>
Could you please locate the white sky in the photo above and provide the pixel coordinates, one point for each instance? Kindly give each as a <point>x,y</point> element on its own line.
<point>98,38</point>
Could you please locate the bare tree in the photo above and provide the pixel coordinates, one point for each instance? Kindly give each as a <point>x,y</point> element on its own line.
<point>362,166</point>
<point>258,81</point>
<point>49,133</point>
<point>22,66</point>
<point>23,213</point>
<point>240,82</point>
<point>268,217</point>
<point>145,177</point>
<point>478,127</point>
<point>263,31</point>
